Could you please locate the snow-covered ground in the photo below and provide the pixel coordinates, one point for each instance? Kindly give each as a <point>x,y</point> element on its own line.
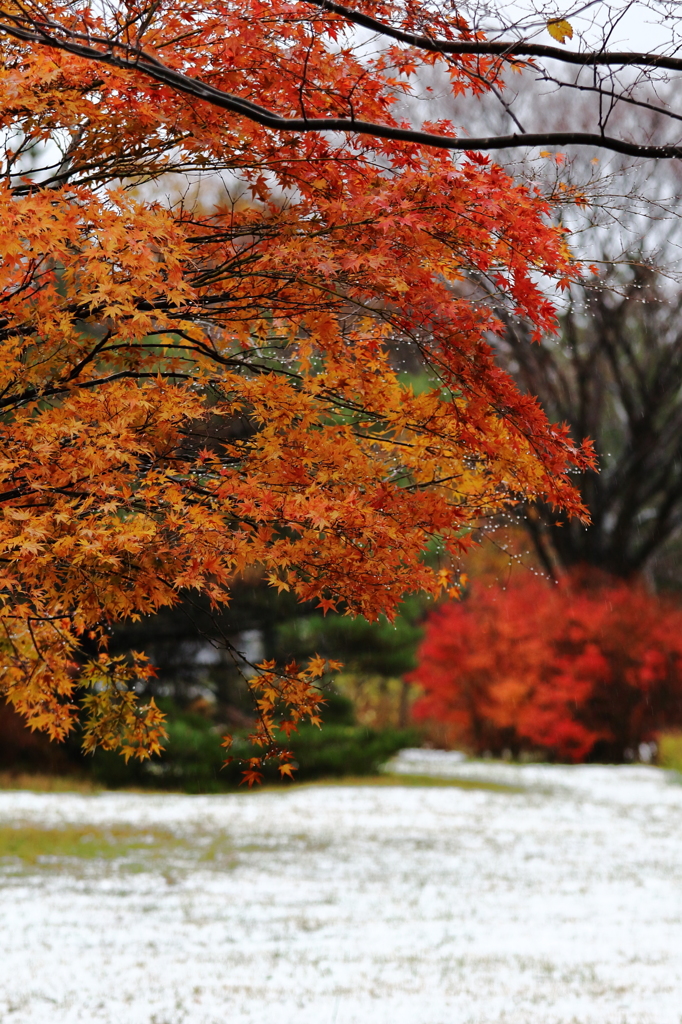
<point>556,900</point>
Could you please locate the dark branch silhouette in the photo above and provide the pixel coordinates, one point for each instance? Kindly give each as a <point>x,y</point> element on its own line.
<point>124,54</point>
<point>613,375</point>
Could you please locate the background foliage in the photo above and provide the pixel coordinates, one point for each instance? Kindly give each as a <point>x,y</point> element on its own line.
<point>586,669</point>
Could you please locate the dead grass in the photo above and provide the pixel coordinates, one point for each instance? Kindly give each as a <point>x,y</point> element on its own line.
<point>396,779</point>
<point>68,784</point>
<point>47,783</point>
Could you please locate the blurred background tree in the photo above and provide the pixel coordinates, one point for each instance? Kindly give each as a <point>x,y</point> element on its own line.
<point>614,373</point>
<point>587,667</point>
<point>590,669</point>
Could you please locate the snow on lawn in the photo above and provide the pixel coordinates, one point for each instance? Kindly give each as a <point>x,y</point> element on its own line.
<point>558,899</point>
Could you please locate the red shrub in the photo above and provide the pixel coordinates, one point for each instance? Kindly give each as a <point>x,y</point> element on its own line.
<point>587,669</point>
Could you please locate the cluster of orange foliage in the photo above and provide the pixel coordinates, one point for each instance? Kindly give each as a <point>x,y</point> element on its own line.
<point>193,388</point>
<point>591,667</point>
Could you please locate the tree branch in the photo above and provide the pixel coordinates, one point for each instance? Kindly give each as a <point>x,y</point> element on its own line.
<point>505,49</point>
<point>128,58</point>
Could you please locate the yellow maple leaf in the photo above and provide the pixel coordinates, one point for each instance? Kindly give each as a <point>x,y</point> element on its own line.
<point>560,29</point>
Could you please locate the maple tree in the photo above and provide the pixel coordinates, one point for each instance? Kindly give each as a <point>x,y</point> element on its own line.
<point>192,386</point>
<point>589,668</point>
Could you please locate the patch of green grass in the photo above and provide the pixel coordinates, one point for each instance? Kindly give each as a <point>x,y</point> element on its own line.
<point>30,847</point>
<point>670,751</point>
<point>428,780</point>
<point>34,845</point>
